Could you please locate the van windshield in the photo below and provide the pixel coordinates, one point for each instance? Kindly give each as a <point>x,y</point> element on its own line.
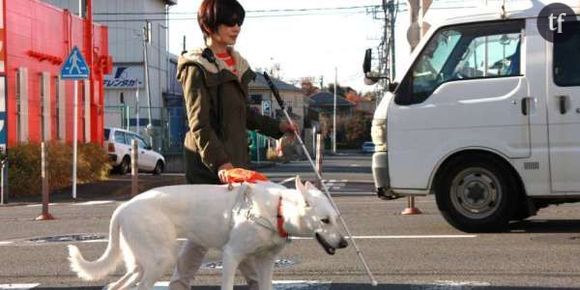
<point>432,59</point>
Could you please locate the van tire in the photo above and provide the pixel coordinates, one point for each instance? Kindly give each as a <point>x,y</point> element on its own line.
<point>477,193</point>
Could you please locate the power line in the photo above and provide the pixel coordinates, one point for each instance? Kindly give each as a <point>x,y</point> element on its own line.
<point>195,18</point>
<point>248,12</point>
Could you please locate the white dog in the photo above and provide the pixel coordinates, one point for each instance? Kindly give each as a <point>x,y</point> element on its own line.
<point>252,221</point>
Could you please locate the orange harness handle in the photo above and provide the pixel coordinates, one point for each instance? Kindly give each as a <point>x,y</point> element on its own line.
<point>239,175</point>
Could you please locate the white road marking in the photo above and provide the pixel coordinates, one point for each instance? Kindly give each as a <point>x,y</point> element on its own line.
<point>17,286</point>
<point>40,204</point>
<point>278,284</point>
<point>460,283</point>
<point>96,202</point>
<point>384,237</point>
<point>402,237</point>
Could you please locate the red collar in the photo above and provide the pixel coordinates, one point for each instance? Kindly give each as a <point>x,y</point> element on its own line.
<point>280,221</point>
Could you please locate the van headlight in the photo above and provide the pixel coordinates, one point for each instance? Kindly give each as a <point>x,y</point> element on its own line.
<point>379,134</point>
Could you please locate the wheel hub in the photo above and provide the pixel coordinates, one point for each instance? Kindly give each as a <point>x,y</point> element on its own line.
<point>475,193</point>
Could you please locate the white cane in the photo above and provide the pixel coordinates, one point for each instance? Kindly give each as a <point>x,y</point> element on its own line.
<point>325,189</point>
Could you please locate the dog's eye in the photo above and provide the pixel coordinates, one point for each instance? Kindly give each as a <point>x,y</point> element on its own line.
<point>325,221</point>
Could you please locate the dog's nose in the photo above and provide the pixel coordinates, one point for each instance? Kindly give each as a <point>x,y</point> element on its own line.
<point>343,243</point>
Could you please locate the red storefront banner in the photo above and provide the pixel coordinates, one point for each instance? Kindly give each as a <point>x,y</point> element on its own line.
<point>2,44</point>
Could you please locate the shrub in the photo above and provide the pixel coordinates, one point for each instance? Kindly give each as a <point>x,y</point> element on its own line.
<point>93,163</point>
<point>24,172</point>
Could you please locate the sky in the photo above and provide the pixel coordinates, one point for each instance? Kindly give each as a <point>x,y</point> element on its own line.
<point>311,45</point>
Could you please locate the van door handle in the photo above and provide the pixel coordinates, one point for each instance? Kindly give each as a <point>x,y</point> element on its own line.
<point>563,101</point>
<point>525,106</point>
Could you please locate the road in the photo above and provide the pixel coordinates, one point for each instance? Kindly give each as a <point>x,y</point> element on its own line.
<point>403,252</point>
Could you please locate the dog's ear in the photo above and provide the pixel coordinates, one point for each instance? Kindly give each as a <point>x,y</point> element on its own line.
<point>299,186</point>
<point>310,186</point>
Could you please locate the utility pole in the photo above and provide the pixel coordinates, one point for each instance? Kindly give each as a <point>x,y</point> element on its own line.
<point>184,50</point>
<point>392,8</point>
<point>386,54</point>
<point>146,41</point>
<point>334,116</point>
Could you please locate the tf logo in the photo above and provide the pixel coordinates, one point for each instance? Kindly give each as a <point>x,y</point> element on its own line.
<point>552,21</point>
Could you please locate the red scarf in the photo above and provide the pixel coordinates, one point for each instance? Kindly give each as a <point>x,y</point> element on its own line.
<point>230,62</point>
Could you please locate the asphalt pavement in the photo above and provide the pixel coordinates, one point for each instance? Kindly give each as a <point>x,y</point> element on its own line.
<point>413,252</point>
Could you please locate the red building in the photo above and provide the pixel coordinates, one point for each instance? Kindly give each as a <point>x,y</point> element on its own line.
<point>35,104</point>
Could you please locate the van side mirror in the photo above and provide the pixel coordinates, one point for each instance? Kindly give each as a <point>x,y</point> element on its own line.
<point>367,61</point>
<point>370,77</point>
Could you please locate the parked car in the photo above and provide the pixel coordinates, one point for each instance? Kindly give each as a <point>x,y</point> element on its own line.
<point>368,147</point>
<point>118,146</point>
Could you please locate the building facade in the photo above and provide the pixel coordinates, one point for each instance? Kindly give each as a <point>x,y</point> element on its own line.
<point>35,103</point>
<point>135,26</point>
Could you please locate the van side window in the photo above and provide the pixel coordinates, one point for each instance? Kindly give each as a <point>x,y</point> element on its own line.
<point>566,60</point>
<point>454,53</point>
<point>490,56</point>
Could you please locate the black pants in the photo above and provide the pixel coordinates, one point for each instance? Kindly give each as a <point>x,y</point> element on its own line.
<point>195,171</point>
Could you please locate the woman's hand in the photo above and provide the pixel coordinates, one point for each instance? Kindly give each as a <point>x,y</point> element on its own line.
<point>287,127</point>
<point>222,172</point>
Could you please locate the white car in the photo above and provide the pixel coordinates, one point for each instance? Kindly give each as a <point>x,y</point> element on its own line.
<point>118,146</point>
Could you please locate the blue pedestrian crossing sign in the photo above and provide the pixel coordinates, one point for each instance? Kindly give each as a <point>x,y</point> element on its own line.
<point>75,67</point>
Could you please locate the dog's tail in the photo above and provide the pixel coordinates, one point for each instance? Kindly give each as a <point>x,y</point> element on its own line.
<point>98,269</point>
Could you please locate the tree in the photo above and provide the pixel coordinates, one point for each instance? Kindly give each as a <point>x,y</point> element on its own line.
<point>358,128</point>
<point>307,87</point>
<point>352,96</point>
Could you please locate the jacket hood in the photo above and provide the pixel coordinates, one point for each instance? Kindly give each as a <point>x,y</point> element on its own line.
<point>195,57</point>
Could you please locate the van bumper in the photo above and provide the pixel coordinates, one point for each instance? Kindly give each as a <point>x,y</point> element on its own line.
<point>380,167</point>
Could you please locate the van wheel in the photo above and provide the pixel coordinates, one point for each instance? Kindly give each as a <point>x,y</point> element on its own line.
<point>477,194</point>
<point>125,166</point>
<point>158,168</point>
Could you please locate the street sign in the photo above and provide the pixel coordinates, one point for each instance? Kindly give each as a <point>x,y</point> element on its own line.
<point>75,67</point>
<point>266,108</point>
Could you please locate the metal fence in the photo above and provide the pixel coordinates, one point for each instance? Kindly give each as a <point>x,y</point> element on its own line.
<point>165,129</point>
<point>169,125</point>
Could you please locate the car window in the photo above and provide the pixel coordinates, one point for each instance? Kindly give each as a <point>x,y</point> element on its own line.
<point>120,137</point>
<point>566,63</point>
<point>107,133</point>
<point>140,142</point>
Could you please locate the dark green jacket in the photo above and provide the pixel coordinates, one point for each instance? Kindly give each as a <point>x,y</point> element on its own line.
<point>215,137</point>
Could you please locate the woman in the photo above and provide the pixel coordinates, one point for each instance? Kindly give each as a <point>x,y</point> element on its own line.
<point>215,82</point>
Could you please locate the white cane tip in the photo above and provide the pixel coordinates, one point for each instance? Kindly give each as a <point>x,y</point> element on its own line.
<point>374,283</point>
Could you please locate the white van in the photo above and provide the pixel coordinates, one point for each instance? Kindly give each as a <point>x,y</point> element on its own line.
<point>487,118</point>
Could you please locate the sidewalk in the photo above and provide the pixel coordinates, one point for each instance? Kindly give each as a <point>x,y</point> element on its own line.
<point>115,187</point>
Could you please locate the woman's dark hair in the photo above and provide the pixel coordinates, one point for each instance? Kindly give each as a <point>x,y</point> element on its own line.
<point>212,13</point>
